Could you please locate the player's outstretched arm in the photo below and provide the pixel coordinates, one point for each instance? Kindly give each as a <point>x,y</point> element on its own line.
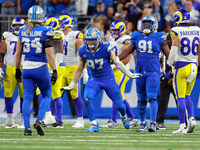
<point>76,77</point>
<point>128,50</point>
<point>58,45</point>
<point>122,68</point>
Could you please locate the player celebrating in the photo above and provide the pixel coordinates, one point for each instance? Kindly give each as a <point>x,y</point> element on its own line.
<point>185,45</point>
<point>8,49</point>
<point>97,55</point>
<point>120,42</point>
<point>35,40</point>
<point>72,41</point>
<point>148,45</point>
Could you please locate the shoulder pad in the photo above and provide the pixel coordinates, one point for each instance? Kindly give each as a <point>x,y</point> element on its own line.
<point>79,35</point>
<point>57,36</point>
<point>173,33</point>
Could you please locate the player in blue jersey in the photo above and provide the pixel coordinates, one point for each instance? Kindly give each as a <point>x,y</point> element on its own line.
<point>35,41</point>
<point>185,45</point>
<point>148,45</point>
<point>97,55</point>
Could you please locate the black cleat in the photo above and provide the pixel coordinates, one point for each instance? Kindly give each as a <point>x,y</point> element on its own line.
<point>38,126</point>
<point>57,124</point>
<point>28,132</point>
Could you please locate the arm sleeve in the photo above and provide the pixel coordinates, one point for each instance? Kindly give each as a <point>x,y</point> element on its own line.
<point>172,55</point>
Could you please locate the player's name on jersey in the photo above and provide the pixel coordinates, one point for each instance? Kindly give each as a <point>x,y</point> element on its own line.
<point>32,33</point>
<point>184,33</point>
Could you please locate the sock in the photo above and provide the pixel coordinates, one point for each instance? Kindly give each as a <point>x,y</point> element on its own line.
<point>93,122</point>
<point>9,116</point>
<point>9,105</point>
<point>141,108</point>
<point>189,106</point>
<point>44,105</point>
<point>181,109</point>
<point>128,110</point>
<point>90,109</point>
<point>79,106</point>
<point>59,108</point>
<point>153,108</point>
<point>114,113</point>
<point>122,110</point>
<point>53,107</point>
<point>21,102</point>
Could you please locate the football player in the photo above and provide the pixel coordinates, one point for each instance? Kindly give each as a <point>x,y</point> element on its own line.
<point>185,45</point>
<point>148,45</point>
<point>120,42</point>
<point>7,57</point>
<point>35,40</point>
<point>97,55</point>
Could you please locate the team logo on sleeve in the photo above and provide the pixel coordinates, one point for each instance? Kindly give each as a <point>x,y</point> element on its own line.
<point>84,56</point>
<point>164,38</point>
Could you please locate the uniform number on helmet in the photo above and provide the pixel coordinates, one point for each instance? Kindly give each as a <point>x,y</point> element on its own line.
<point>32,44</point>
<point>145,46</point>
<point>95,64</point>
<point>185,46</point>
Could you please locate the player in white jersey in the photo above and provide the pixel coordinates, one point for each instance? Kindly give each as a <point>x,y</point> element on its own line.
<point>7,57</point>
<point>72,41</point>
<point>185,45</point>
<point>120,42</point>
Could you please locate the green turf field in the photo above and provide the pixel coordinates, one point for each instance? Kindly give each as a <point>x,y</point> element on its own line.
<point>106,139</point>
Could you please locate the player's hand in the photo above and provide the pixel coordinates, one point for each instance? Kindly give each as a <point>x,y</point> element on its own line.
<point>54,77</point>
<point>113,66</point>
<point>18,75</point>
<point>69,88</point>
<point>1,74</point>
<point>134,75</point>
<point>85,76</point>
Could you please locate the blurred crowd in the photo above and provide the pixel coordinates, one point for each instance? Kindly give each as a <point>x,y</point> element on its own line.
<point>100,13</point>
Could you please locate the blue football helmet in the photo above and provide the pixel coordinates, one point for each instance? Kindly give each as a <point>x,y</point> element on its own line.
<point>92,34</point>
<point>181,16</point>
<point>117,25</point>
<point>17,21</point>
<point>36,14</point>
<point>52,21</point>
<point>65,21</point>
<point>148,25</point>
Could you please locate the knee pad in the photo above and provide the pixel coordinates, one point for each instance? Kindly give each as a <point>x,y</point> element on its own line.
<point>141,107</point>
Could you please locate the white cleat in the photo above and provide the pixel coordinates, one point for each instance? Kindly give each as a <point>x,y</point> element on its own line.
<point>109,124</point>
<point>191,125</point>
<point>78,124</point>
<point>8,124</point>
<point>49,120</point>
<point>182,129</point>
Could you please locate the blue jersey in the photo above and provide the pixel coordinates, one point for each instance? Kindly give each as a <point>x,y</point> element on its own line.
<point>33,44</point>
<point>98,61</point>
<point>148,48</point>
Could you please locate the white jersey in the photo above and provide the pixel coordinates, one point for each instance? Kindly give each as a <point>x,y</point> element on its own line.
<point>118,44</point>
<point>70,55</point>
<point>11,46</point>
<point>188,43</point>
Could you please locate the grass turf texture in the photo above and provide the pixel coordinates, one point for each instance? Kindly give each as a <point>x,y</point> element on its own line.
<point>106,139</point>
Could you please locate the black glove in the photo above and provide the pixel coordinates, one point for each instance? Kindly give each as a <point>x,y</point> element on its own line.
<point>198,72</point>
<point>54,77</point>
<point>18,75</point>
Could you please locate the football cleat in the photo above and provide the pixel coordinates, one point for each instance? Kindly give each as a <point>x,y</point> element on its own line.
<point>28,132</point>
<point>152,127</point>
<point>78,124</point>
<point>143,127</point>
<point>125,122</point>
<point>133,122</point>
<point>109,124</point>
<point>8,124</point>
<point>191,125</point>
<point>160,126</point>
<point>93,128</point>
<point>38,126</point>
<point>57,124</point>
<point>182,129</point>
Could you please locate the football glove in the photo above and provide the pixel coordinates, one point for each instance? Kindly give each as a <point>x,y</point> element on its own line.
<point>18,75</point>
<point>69,88</point>
<point>54,77</point>
<point>198,72</point>
<point>1,74</point>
